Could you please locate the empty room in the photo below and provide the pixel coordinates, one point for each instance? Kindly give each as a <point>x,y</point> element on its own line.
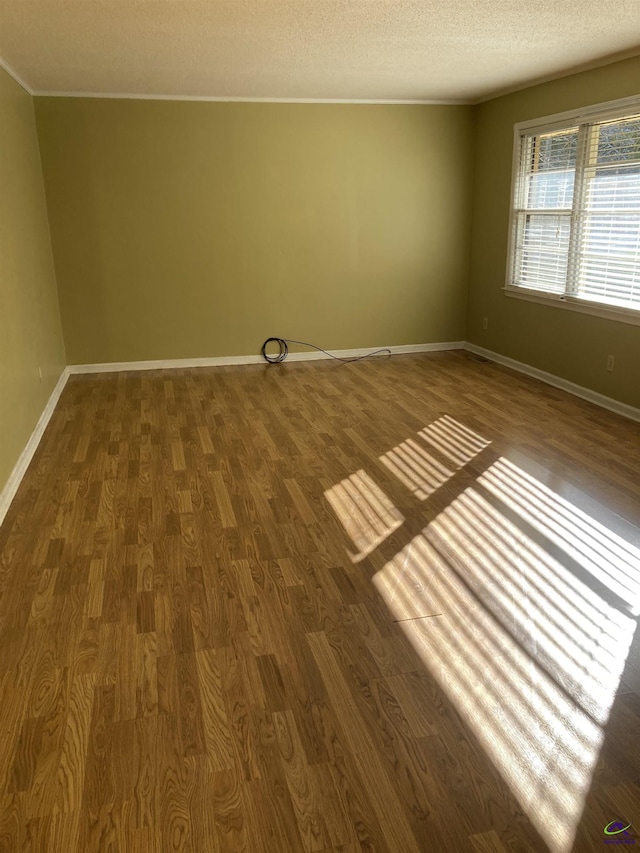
<point>319,426</point>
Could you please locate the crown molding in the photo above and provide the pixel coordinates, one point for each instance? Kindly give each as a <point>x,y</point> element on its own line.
<point>468,101</point>
<point>549,78</point>
<point>133,96</point>
<point>19,80</point>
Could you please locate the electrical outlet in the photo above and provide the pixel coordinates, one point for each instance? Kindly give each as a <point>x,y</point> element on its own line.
<point>485,323</point>
<point>610,362</point>
<point>40,374</point>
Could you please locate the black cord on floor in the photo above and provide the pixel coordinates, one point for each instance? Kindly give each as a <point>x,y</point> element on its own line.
<point>284,351</point>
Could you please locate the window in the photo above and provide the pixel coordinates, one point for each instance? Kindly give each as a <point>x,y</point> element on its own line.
<point>575,226</point>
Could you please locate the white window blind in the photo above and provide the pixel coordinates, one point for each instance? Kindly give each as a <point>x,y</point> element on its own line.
<point>576,211</point>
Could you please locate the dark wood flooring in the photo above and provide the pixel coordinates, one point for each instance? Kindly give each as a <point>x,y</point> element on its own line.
<point>383,606</point>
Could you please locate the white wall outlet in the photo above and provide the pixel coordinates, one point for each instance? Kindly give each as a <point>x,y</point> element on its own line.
<point>610,362</point>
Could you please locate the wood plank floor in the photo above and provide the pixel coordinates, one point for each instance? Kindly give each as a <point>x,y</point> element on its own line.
<point>384,606</point>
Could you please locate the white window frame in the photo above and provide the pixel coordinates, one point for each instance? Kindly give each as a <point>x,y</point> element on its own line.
<point>558,121</point>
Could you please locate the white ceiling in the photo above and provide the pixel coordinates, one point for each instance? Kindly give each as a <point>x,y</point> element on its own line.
<point>421,50</point>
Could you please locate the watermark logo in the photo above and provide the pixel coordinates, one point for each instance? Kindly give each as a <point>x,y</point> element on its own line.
<point>617,832</point>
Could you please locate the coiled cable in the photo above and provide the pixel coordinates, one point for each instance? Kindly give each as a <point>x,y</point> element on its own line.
<point>284,351</point>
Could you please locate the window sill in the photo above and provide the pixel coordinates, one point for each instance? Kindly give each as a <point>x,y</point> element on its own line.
<point>582,306</point>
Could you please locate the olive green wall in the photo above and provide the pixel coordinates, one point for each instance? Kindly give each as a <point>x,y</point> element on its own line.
<point>30,332</point>
<point>195,229</point>
<point>571,345</point>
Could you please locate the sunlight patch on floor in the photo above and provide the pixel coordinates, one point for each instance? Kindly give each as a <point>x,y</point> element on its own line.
<point>521,605</point>
<point>454,440</point>
<point>365,512</point>
<point>416,469</point>
<point>606,556</point>
<point>422,472</point>
<point>529,652</point>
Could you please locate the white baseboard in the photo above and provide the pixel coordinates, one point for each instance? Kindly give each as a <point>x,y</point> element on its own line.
<point>162,364</point>
<point>558,382</point>
<point>217,361</point>
<point>15,478</point>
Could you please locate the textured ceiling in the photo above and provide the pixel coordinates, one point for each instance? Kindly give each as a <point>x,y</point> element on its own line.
<point>334,49</point>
